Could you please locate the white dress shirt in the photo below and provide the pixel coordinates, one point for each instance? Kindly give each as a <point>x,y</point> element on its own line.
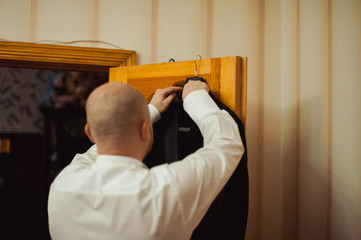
<point>115,197</point>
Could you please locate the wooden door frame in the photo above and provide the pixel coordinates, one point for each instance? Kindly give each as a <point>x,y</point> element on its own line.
<point>68,58</point>
<point>226,77</point>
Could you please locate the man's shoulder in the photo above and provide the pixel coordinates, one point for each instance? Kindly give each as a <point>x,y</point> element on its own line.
<point>88,157</point>
<point>80,161</point>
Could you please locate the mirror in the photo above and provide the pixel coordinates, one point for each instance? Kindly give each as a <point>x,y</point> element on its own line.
<point>31,152</point>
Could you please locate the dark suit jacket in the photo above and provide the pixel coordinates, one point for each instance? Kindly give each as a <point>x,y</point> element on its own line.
<point>175,137</point>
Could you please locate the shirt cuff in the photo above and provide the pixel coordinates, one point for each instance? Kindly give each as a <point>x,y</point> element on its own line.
<point>198,104</point>
<point>154,113</point>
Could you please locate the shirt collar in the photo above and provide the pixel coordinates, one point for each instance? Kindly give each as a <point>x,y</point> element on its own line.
<point>120,160</point>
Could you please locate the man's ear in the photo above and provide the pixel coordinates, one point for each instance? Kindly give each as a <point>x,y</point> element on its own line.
<point>145,132</point>
<point>88,133</point>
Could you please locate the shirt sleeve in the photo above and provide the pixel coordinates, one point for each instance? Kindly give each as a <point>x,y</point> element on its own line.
<point>201,176</point>
<point>154,113</point>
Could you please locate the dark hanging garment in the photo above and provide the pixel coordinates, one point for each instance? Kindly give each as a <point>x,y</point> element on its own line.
<point>175,137</point>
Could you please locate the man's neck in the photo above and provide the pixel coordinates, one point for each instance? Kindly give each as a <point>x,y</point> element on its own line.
<point>119,153</point>
<point>112,147</point>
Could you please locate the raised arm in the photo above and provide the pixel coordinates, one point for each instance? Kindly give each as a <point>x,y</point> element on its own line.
<point>161,100</point>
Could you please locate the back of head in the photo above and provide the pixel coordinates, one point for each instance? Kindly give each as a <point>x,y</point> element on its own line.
<point>115,110</point>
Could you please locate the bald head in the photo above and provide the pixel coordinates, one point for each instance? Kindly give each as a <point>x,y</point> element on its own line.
<point>115,110</point>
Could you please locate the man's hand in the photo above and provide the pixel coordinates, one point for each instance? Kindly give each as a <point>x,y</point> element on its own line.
<point>164,97</point>
<point>192,86</point>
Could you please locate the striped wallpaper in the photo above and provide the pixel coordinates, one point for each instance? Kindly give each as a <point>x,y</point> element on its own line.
<point>303,119</point>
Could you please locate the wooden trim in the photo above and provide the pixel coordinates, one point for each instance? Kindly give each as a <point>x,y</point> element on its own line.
<point>226,77</point>
<point>46,56</point>
<point>244,90</point>
<point>214,82</point>
<point>4,145</point>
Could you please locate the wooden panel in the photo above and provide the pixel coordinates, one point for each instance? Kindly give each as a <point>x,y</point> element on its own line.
<point>148,78</point>
<point>226,78</point>
<point>214,83</point>
<point>243,90</point>
<point>31,55</point>
<point>172,69</point>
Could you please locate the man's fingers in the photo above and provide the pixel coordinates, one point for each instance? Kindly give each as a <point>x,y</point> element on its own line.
<point>164,97</point>
<point>170,98</point>
<point>170,90</point>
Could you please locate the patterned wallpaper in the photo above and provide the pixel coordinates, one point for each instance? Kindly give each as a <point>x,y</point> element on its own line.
<point>21,92</point>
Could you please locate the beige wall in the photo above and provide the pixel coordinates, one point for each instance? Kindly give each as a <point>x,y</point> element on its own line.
<point>304,114</point>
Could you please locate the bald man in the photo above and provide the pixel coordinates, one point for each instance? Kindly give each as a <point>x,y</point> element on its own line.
<point>108,193</point>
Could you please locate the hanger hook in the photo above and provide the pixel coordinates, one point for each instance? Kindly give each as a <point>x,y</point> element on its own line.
<point>195,63</point>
